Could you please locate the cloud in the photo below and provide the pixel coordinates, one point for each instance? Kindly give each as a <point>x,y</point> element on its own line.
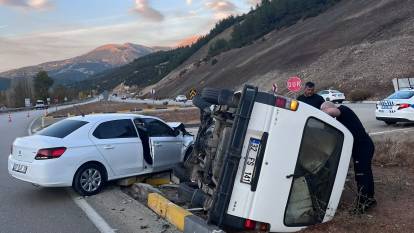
<point>253,2</point>
<point>145,10</point>
<point>221,5</point>
<point>222,9</point>
<point>34,48</point>
<point>28,4</point>
<point>189,2</point>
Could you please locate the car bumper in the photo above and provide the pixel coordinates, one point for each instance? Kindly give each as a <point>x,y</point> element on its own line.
<point>398,116</point>
<point>41,172</point>
<point>337,99</point>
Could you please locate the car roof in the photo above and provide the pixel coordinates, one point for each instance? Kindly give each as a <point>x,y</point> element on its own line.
<point>108,116</point>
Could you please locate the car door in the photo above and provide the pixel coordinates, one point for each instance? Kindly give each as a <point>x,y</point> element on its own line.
<point>118,142</point>
<point>166,147</point>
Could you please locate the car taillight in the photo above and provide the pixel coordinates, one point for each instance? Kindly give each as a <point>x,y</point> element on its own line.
<point>50,153</point>
<point>259,226</point>
<point>249,224</point>
<point>264,227</point>
<point>286,103</point>
<point>402,106</point>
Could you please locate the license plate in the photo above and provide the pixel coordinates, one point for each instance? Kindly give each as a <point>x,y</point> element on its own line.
<point>19,168</point>
<point>251,156</point>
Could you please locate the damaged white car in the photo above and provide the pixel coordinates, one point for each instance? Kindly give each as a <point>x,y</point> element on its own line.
<point>87,151</point>
<point>265,162</point>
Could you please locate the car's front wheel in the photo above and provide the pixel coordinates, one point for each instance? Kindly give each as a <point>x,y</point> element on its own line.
<point>89,179</point>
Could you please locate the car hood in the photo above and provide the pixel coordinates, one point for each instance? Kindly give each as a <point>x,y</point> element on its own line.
<point>174,124</point>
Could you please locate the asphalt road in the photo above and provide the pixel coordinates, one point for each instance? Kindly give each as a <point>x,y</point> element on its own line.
<point>25,208</point>
<point>366,113</point>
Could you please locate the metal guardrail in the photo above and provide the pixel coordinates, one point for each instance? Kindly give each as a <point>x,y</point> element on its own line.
<point>8,110</point>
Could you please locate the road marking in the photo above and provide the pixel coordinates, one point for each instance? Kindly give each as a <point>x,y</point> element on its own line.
<point>29,130</point>
<point>391,131</point>
<point>95,218</point>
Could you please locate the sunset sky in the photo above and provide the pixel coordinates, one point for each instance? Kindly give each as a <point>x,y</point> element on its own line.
<point>36,31</point>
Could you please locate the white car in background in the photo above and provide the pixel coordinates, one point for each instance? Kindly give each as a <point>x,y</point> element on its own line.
<point>332,95</point>
<point>86,152</point>
<point>398,107</point>
<point>40,104</point>
<point>181,98</point>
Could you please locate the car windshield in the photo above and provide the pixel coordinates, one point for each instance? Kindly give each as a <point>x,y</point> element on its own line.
<point>62,129</point>
<point>401,95</point>
<point>333,91</point>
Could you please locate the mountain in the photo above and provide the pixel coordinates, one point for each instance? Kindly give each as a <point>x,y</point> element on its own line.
<point>4,83</point>
<point>353,46</point>
<point>79,68</point>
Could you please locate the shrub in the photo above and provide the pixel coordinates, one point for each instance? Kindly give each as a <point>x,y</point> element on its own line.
<point>214,61</point>
<point>359,95</point>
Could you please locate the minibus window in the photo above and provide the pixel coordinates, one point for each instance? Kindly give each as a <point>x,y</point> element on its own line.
<point>315,174</point>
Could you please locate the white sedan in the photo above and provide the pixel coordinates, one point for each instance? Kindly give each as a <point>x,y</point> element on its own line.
<point>398,107</point>
<point>181,98</point>
<point>332,95</point>
<point>85,152</point>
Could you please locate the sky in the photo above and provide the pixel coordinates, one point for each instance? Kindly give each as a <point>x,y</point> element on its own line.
<point>37,31</point>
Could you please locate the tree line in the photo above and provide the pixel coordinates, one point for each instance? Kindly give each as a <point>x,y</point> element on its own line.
<point>268,16</point>
<point>39,87</point>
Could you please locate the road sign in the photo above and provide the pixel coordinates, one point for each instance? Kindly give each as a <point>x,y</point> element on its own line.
<point>294,84</point>
<point>192,93</point>
<point>274,88</point>
<point>27,102</point>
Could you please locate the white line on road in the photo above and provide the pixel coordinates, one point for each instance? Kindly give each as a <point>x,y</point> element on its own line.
<point>95,218</point>
<point>29,130</point>
<point>391,131</point>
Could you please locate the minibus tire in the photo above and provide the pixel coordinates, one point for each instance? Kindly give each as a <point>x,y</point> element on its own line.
<point>218,96</point>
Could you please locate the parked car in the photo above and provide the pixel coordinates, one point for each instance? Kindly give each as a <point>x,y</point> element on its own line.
<point>398,107</point>
<point>332,95</point>
<point>86,152</point>
<point>265,162</point>
<point>40,104</point>
<point>181,98</point>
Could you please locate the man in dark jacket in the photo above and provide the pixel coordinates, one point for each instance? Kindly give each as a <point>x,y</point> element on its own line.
<point>362,153</point>
<point>310,97</point>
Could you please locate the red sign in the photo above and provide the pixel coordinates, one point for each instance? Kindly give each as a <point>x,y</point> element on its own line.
<point>294,84</point>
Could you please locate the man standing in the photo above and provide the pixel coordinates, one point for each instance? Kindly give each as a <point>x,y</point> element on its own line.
<point>362,153</point>
<point>310,97</point>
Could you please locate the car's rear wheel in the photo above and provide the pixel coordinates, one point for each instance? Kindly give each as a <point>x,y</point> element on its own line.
<point>89,179</point>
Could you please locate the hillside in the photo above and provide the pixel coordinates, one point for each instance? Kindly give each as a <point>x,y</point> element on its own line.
<point>355,45</point>
<point>4,83</point>
<point>81,67</point>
